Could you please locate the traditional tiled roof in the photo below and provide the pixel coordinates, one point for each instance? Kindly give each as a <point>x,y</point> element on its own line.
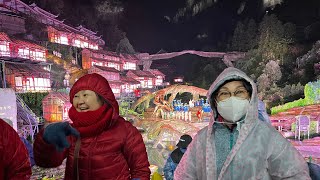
<point>4,37</point>
<point>129,80</point>
<point>63,96</point>
<point>28,44</point>
<point>28,69</point>
<point>106,60</point>
<point>85,30</point>
<point>156,72</point>
<point>115,82</point>
<point>109,53</point>
<point>65,28</point>
<point>140,73</point>
<point>129,57</point>
<point>51,19</point>
<point>125,57</point>
<point>109,69</point>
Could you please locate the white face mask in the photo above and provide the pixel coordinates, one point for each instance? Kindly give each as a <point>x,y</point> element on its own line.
<point>233,108</point>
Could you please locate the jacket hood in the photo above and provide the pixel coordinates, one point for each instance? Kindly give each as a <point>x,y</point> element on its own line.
<point>235,74</point>
<point>100,85</point>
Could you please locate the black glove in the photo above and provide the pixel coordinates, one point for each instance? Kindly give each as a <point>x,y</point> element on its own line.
<point>57,133</point>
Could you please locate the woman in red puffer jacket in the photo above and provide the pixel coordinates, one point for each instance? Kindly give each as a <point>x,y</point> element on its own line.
<point>14,158</point>
<point>103,145</point>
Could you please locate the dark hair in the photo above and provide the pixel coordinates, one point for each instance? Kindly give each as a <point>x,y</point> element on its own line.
<point>102,99</point>
<point>245,83</point>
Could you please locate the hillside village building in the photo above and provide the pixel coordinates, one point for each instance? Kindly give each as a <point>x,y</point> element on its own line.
<point>120,69</point>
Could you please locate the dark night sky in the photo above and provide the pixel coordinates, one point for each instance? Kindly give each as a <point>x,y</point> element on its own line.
<point>149,31</point>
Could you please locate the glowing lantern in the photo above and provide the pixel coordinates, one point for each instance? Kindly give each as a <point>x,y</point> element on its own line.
<point>56,106</point>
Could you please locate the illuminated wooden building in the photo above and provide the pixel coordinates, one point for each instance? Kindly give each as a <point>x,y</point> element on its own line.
<point>100,58</point>
<point>56,106</point>
<point>121,62</point>
<point>75,38</point>
<point>4,45</point>
<point>178,79</point>
<point>15,48</point>
<point>27,50</point>
<point>129,62</point>
<point>61,33</point>
<point>58,32</point>
<point>128,84</point>
<point>159,77</point>
<point>27,77</point>
<point>11,22</point>
<point>111,74</point>
<point>22,69</point>
<point>146,78</point>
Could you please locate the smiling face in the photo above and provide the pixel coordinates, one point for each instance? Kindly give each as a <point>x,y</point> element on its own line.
<point>86,100</point>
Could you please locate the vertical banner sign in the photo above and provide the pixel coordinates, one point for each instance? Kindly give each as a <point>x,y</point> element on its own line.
<point>8,107</point>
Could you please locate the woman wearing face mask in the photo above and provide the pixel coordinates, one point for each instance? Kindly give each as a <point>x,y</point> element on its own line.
<point>236,145</point>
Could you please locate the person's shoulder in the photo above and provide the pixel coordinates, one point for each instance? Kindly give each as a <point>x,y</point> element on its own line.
<point>202,134</point>
<point>266,126</point>
<point>5,127</point>
<point>124,122</point>
<point>3,123</point>
<point>121,122</point>
<point>8,132</point>
<point>203,130</point>
<point>267,130</point>
<point>127,125</point>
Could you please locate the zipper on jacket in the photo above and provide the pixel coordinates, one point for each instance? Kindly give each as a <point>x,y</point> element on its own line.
<point>231,146</point>
<point>231,141</point>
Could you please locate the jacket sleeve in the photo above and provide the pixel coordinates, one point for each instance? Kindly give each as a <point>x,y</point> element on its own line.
<point>186,169</point>
<point>168,169</point>
<point>15,156</point>
<point>135,153</point>
<point>285,162</point>
<point>46,155</point>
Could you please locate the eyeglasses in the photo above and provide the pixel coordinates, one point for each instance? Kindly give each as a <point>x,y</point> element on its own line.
<point>224,94</point>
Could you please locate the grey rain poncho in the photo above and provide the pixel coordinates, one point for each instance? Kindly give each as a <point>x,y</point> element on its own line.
<point>260,151</point>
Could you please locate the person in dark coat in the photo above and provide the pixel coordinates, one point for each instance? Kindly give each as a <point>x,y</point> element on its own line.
<point>176,155</point>
<point>14,161</point>
<point>314,170</point>
<point>99,144</point>
<point>29,148</point>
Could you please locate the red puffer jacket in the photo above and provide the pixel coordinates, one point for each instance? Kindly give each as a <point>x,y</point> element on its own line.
<point>14,158</point>
<point>115,154</point>
<point>118,153</point>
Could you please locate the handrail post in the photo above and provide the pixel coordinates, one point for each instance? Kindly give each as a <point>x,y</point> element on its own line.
<point>3,75</point>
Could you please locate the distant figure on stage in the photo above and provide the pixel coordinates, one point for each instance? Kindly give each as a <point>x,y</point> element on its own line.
<point>200,115</point>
